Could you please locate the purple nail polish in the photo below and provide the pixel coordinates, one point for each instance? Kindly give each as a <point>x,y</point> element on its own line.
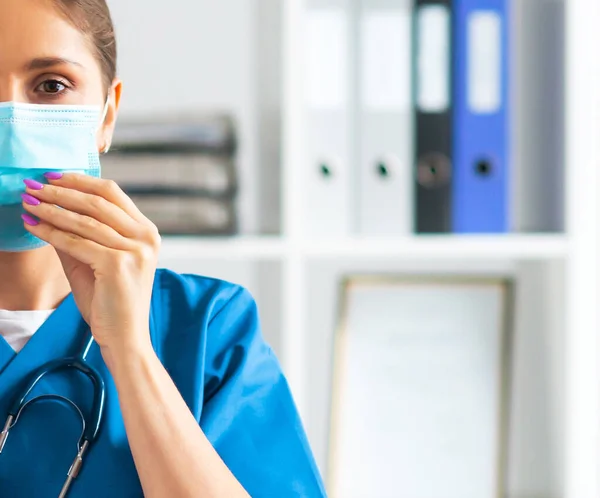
<point>53,175</point>
<point>29,199</point>
<point>30,220</point>
<point>33,185</point>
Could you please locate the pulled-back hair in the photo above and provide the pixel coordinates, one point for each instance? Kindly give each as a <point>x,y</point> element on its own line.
<point>92,18</point>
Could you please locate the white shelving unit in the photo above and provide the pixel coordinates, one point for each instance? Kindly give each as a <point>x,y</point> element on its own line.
<point>582,156</point>
<point>260,248</point>
<point>572,258</point>
<point>556,448</point>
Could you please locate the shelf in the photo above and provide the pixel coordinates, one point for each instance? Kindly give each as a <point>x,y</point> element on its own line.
<point>505,247</point>
<point>446,247</point>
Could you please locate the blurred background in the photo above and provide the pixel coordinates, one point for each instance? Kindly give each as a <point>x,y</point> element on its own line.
<point>401,186</point>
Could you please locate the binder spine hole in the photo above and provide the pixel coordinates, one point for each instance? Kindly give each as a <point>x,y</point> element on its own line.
<point>434,171</point>
<point>483,168</point>
<point>382,170</point>
<point>325,170</point>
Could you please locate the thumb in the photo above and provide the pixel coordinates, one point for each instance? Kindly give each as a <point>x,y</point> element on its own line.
<point>69,264</point>
<point>81,280</point>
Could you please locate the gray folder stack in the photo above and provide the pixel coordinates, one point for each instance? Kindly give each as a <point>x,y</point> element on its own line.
<point>181,172</point>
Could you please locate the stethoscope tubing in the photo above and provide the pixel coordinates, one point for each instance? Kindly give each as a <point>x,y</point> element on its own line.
<point>90,426</point>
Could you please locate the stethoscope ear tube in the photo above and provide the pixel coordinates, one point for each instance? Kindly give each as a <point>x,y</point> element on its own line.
<point>74,470</point>
<point>4,435</point>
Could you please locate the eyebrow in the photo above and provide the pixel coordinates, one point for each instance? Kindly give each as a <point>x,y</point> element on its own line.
<point>48,62</point>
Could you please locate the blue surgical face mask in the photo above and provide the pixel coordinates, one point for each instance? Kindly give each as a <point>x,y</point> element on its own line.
<point>35,139</point>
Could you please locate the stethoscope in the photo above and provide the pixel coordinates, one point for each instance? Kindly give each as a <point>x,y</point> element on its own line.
<point>90,427</point>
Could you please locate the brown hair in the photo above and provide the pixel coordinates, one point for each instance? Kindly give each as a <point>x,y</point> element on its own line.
<point>92,17</point>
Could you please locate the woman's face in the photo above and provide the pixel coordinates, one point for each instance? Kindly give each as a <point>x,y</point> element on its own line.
<point>46,60</point>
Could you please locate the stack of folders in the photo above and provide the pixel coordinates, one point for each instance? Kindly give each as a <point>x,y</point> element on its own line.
<point>462,116</point>
<point>410,115</point>
<point>181,173</point>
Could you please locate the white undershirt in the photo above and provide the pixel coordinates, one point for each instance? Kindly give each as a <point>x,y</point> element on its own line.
<point>17,327</point>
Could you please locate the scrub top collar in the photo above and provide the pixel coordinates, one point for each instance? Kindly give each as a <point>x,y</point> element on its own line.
<point>62,335</point>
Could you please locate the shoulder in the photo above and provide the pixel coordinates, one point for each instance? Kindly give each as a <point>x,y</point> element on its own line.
<point>203,330</point>
<point>201,313</point>
<point>208,336</point>
<point>194,300</point>
<point>194,295</point>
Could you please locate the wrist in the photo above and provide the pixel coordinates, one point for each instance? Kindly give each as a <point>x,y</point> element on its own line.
<point>118,355</point>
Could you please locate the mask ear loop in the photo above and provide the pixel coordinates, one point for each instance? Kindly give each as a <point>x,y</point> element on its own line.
<point>104,114</point>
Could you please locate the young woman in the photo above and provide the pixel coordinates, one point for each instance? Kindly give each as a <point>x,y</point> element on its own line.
<point>187,398</point>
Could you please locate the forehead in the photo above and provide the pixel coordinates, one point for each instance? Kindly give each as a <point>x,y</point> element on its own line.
<point>36,28</point>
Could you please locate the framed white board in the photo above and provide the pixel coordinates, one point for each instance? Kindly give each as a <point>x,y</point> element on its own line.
<point>420,390</point>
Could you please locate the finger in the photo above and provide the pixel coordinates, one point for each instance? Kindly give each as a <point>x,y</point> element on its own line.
<point>107,189</point>
<point>89,205</point>
<point>84,250</point>
<point>83,226</point>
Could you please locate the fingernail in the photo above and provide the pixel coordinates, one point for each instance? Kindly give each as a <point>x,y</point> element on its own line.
<point>29,199</point>
<point>53,175</point>
<point>30,220</point>
<point>33,185</point>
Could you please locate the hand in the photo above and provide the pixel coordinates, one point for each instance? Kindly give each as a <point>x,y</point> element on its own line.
<point>108,249</point>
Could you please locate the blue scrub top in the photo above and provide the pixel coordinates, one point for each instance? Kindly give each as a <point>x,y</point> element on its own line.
<point>207,334</point>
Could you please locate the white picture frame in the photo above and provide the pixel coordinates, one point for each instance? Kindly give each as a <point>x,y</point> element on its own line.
<point>419,409</point>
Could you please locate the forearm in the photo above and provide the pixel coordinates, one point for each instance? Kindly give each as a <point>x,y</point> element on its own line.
<point>172,455</point>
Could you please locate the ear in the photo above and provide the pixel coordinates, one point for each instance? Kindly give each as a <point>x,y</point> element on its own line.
<point>105,134</point>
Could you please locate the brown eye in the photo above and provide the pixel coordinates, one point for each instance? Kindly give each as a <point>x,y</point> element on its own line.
<point>52,87</point>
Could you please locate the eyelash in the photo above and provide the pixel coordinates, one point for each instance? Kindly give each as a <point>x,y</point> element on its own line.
<point>64,84</point>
